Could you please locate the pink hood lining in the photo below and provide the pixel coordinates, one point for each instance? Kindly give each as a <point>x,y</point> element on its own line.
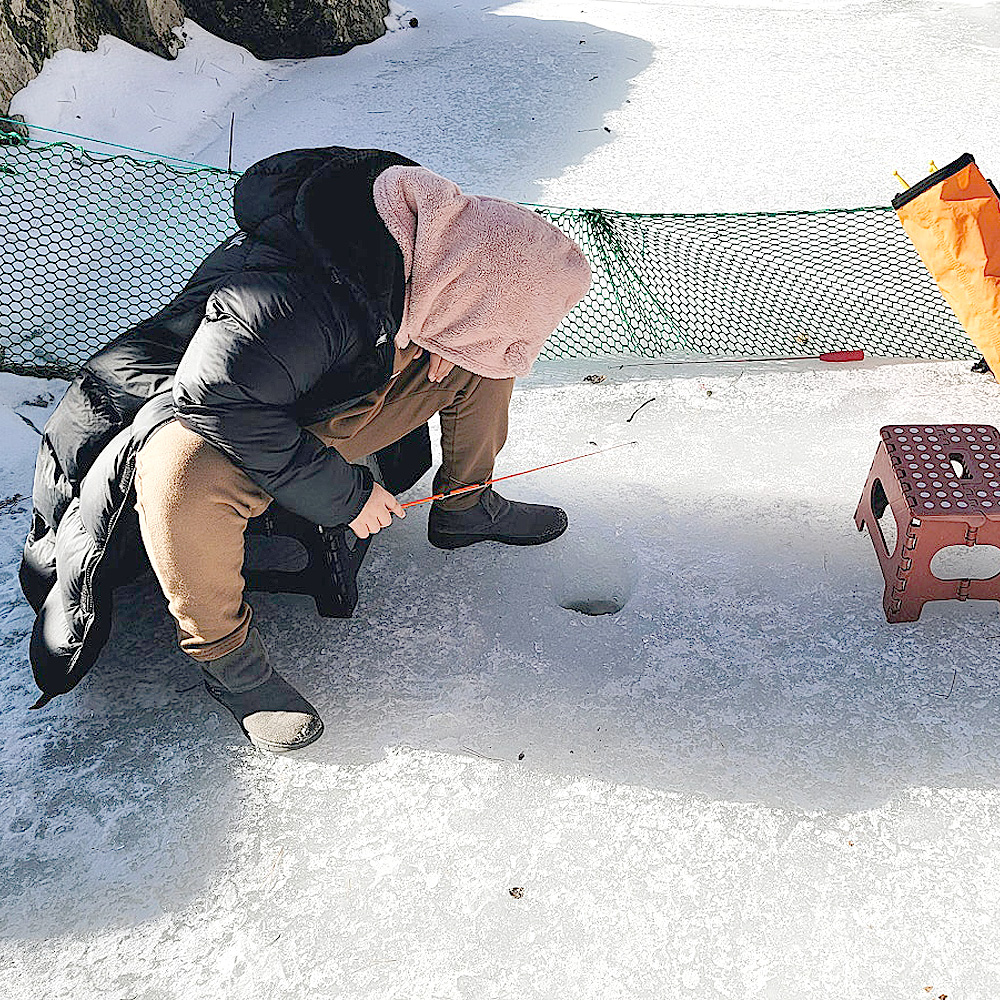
<point>487,280</point>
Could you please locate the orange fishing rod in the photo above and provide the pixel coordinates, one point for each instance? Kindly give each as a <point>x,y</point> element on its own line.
<point>498,479</point>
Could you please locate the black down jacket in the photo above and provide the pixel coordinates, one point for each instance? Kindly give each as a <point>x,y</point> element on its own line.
<point>288,321</point>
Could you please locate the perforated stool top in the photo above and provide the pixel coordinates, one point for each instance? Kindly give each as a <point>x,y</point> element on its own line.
<point>922,457</point>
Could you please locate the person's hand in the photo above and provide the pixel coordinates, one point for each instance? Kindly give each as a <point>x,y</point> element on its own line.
<point>438,367</point>
<point>376,513</point>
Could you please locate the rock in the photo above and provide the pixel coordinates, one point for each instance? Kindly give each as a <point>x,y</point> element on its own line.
<point>33,30</point>
<point>292,29</point>
<point>13,131</point>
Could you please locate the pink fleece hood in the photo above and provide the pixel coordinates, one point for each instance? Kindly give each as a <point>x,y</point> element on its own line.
<point>487,280</point>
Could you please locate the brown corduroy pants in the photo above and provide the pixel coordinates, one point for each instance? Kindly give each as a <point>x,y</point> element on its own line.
<point>194,504</point>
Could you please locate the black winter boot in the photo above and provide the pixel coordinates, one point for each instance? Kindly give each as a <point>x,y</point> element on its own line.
<point>272,714</point>
<point>494,519</point>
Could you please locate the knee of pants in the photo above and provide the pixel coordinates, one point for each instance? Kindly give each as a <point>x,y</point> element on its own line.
<point>178,470</point>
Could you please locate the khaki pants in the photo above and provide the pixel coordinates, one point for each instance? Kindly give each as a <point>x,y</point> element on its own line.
<point>194,504</point>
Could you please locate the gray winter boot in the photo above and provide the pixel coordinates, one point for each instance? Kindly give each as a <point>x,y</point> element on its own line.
<point>272,714</point>
<point>494,519</point>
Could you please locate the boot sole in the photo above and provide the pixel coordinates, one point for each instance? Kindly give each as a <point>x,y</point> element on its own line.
<point>285,747</point>
<point>460,541</point>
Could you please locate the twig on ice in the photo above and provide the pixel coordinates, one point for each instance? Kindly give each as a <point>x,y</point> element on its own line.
<point>937,694</point>
<point>638,408</point>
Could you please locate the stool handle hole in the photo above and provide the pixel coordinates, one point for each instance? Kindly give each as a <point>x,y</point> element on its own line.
<point>959,465</point>
<point>886,524</point>
<point>966,562</point>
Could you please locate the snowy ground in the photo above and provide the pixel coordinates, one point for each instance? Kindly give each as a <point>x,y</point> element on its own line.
<point>745,783</point>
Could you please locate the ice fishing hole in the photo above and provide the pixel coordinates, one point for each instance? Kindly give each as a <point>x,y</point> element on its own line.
<point>594,606</point>
<point>594,571</point>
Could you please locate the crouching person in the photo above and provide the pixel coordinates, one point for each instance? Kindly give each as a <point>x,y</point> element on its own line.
<point>362,295</point>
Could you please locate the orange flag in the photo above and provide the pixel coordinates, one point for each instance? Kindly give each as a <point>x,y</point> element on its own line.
<point>953,218</point>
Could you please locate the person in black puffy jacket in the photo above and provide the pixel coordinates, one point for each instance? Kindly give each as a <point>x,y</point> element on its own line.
<point>361,295</point>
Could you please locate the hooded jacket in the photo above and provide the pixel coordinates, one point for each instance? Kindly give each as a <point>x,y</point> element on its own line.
<point>288,321</point>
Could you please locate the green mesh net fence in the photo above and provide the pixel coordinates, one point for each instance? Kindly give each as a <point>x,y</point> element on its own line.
<point>90,244</point>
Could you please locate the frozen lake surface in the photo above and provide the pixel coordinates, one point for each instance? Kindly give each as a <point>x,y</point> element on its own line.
<point>744,783</point>
<point>666,106</point>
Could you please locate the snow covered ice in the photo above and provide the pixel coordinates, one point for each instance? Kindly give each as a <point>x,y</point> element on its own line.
<point>743,783</point>
<point>742,765</point>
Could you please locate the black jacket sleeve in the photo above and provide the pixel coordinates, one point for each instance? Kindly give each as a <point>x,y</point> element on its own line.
<point>260,347</point>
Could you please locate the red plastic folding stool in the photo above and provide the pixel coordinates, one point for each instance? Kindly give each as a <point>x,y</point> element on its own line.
<point>942,483</point>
